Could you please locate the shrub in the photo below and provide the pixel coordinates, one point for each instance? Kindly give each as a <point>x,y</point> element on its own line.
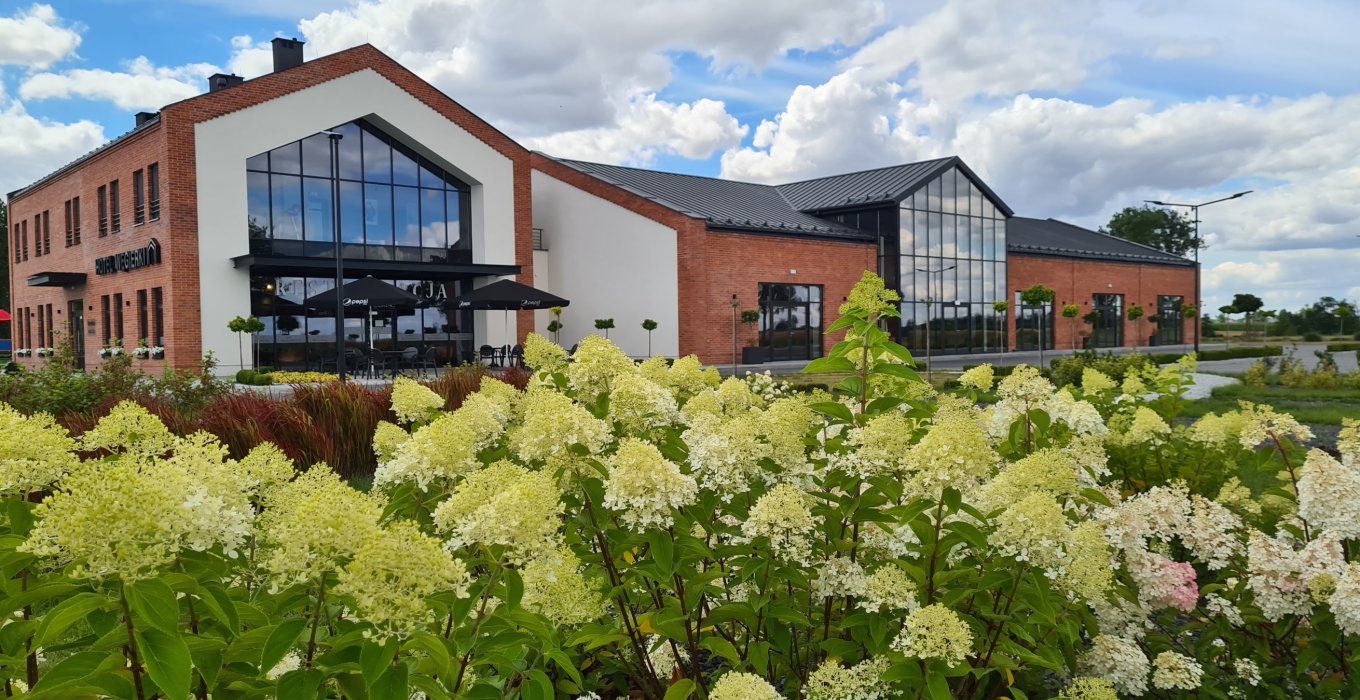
<point>1312,337</point>
<point>1342,347</point>
<point>300,377</point>
<point>1067,371</point>
<point>1256,374</point>
<point>245,376</point>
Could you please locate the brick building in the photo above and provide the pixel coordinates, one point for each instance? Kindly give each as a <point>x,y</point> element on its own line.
<point>231,203</point>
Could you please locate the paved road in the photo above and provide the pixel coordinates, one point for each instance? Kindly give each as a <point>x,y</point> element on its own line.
<point>1345,361</point>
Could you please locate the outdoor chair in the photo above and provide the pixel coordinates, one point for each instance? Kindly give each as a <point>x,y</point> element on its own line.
<point>516,358</point>
<point>487,354</point>
<point>408,359</point>
<point>430,360</point>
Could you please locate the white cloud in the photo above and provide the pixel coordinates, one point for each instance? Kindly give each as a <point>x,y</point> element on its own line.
<point>140,86</point>
<point>250,59</point>
<point>645,127</point>
<point>32,147</point>
<point>36,38</point>
<point>1237,275</point>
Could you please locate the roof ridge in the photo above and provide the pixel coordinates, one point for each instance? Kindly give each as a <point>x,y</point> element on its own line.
<point>861,172</point>
<point>661,172</point>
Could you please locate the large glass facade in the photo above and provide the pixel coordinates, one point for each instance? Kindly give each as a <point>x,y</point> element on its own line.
<point>394,203</point>
<point>953,267</point>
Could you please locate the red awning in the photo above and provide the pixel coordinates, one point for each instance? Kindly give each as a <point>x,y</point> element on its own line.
<point>4,316</point>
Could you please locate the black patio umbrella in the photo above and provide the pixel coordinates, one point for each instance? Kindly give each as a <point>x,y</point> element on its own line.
<point>361,295</point>
<point>508,295</point>
<point>264,303</point>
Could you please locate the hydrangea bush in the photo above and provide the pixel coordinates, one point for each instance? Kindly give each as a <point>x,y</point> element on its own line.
<point>624,530</point>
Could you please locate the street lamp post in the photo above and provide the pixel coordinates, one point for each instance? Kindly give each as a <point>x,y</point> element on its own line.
<point>1194,209</point>
<point>335,137</point>
<point>930,370</point>
<point>734,334</point>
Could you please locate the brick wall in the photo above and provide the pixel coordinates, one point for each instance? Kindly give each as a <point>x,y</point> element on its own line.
<point>119,162</point>
<point>1075,281</point>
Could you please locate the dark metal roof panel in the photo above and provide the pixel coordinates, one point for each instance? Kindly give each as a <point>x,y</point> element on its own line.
<point>144,126</point>
<point>724,204</point>
<point>877,186</point>
<point>1060,239</point>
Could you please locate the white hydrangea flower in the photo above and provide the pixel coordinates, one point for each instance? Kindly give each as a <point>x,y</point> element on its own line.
<point>1119,660</point>
<point>1173,671</point>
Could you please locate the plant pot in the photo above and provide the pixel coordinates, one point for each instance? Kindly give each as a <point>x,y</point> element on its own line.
<point>754,355</point>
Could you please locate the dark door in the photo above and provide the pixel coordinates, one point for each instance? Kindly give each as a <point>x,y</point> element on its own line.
<point>1170,329</point>
<point>1109,326</point>
<point>76,321</point>
<point>791,321</point>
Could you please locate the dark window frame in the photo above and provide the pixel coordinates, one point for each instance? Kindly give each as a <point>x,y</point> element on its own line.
<point>138,197</point>
<point>781,296</point>
<point>75,219</point>
<point>66,209</point>
<point>108,327</point>
<point>158,317</point>
<point>118,318</point>
<point>102,198</point>
<point>141,317</point>
<point>47,231</point>
<point>115,207</point>
<point>153,181</point>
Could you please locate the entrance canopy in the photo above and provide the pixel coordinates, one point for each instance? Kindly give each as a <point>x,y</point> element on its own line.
<point>363,294</point>
<point>508,295</point>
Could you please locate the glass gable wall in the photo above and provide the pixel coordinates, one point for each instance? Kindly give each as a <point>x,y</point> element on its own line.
<point>953,267</point>
<point>394,204</point>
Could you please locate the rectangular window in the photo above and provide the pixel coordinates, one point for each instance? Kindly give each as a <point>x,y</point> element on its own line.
<point>67,218</point>
<point>102,195</point>
<point>42,325</point>
<point>158,309</point>
<point>47,232</point>
<point>75,219</point>
<point>108,327</point>
<point>141,316</point>
<point>23,233</point>
<point>790,321</point>
<point>37,238</point>
<point>15,244</point>
<point>153,177</point>
<point>115,207</point>
<point>51,331</point>
<point>138,198</point>
<point>538,240</point>
<point>118,319</point>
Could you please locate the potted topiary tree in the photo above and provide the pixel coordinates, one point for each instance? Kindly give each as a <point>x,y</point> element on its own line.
<point>1042,297</point>
<point>1072,311</point>
<point>1001,307</point>
<point>604,324</point>
<point>649,325</point>
<point>241,325</point>
<point>1090,318</point>
<point>555,325</point>
<point>752,354</point>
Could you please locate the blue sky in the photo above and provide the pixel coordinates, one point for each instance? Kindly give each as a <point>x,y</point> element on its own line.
<point>1068,108</point>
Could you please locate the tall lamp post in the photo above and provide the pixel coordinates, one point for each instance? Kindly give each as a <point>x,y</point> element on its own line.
<point>335,137</point>
<point>1194,209</point>
<point>734,334</point>
<point>930,370</point>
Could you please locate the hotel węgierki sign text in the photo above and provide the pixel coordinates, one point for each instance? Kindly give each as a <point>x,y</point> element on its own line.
<point>129,260</point>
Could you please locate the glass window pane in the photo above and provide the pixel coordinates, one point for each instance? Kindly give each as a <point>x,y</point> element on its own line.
<point>1001,282</point>
<point>257,204</point>
<point>431,175</point>
<point>403,168</point>
<point>975,294</point>
<point>989,239</point>
<point>351,212</point>
<point>453,200</point>
<point>287,206</point>
<point>988,210</point>
<point>1001,239</point>
<point>949,244</point>
<point>948,192</point>
<point>316,155</point>
<point>918,199</point>
<point>377,159</point>
<point>351,148</point>
<point>260,162</point>
<point>933,195</point>
<point>432,221</point>
<point>974,199</point>
<point>936,231</point>
<point>406,216</point>
<point>988,294</point>
<point>317,217</point>
<point>285,159</point>
<point>922,233</point>
<point>905,241</point>
<point>377,216</point>
<point>960,192</point>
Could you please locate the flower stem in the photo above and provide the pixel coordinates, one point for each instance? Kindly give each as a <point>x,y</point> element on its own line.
<point>132,644</point>
<point>316,621</point>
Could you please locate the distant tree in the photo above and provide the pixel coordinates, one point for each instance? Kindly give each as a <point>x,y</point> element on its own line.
<point>1164,229</point>
<point>1344,310</point>
<point>1247,305</point>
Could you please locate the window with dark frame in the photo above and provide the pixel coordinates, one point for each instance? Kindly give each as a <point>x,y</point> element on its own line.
<point>75,219</point>
<point>141,316</point>
<point>42,325</point>
<point>37,238</point>
<point>158,318</point>
<point>51,335</point>
<point>108,327</point>
<point>118,318</point>
<point>138,198</point>
<point>15,244</point>
<point>115,208</point>
<point>102,196</point>
<point>153,177</point>
<point>790,320</point>
<point>66,208</point>
<point>47,232</point>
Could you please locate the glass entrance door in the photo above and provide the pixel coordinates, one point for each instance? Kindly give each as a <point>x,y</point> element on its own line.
<point>1170,329</point>
<point>791,321</point>
<point>1109,327</point>
<point>76,319</point>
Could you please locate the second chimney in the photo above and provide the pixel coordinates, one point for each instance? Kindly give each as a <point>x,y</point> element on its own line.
<point>144,117</point>
<point>287,53</point>
<point>222,81</point>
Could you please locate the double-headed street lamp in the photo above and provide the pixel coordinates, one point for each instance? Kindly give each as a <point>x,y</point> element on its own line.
<point>1194,209</point>
<point>930,371</point>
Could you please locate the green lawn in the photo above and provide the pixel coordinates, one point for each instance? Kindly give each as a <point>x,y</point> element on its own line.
<point>1313,406</point>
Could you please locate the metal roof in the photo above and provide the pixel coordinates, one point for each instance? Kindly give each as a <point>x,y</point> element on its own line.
<point>1060,239</point>
<point>888,185</point>
<point>722,203</point>
<point>148,124</point>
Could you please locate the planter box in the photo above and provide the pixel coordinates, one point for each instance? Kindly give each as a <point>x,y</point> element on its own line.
<point>754,356</point>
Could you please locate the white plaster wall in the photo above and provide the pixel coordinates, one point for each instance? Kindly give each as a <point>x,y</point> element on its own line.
<point>224,144</point>
<point>610,263</point>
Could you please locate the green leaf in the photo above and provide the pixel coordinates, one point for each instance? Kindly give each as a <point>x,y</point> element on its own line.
<point>429,686</point>
<point>539,686</point>
<point>514,587</point>
<point>833,409</point>
<point>300,684</point>
<point>64,614</point>
<point>937,687</point>
<point>222,606</point>
<point>375,658</point>
<point>680,690</point>
<point>79,667</point>
<point>833,365</point>
<point>662,551</point>
<point>434,648</point>
<point>154,603</point>
<point>392,685</point>
<point>280,640</point>
<point>896,370</point>
<point>20,516</point>
<point>722,648</point>
<point>898,351</point>
<point>167,661</point>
